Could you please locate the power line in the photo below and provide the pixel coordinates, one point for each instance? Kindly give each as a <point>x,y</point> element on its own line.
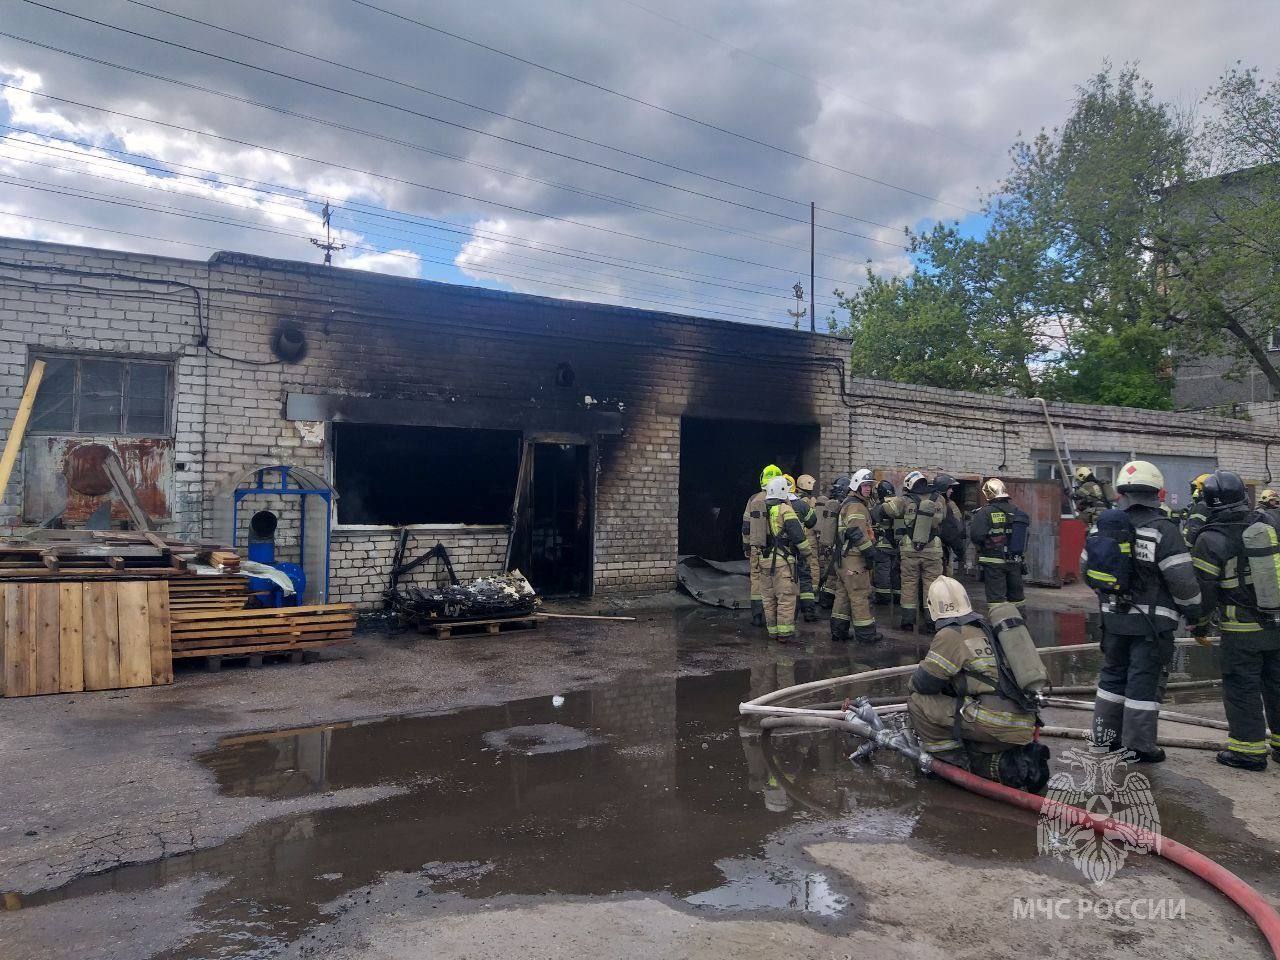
<point>369,212</point>
<point>653,106</point>
<point>406,182</point>
<point>505,116</point>
<point>382,103</point>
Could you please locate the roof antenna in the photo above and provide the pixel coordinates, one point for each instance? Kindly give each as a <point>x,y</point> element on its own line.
<point>327,244</point>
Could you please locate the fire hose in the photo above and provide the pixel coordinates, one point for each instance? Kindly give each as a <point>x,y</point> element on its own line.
<point>864,722</point>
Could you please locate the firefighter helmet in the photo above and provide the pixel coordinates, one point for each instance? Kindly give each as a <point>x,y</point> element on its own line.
<point>916,482</point>
<point>860,479</point>
<point>885,489</point>
<point>993,489</point>
<point>791,481</point>
<point>1224,489</point>
<point>840,487</point>
<point>1140,476</point>
<point>805,483</point>
<point>1083,474</point>
<point>1269,499</point>
<point>768,473</point>
<point>777,489</point>
<point>1197,485</point>
<point>948,598</point>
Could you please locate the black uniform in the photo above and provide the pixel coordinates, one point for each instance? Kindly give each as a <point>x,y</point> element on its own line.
<point>1193,521</point>
<point>886,576</point>
<point>991,530</point>
<point>1250,647</point>
<point>1137,636</point>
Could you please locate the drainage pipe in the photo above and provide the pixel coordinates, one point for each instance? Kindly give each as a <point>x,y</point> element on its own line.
<point>1226,882</point>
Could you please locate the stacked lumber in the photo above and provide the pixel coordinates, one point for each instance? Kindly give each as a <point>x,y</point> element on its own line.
<point>88,554</point>
<point>69,636</point>
<point>204,633</point>
<point>207,593</point>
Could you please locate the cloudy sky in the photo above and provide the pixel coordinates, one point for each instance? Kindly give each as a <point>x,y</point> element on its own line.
<point>662,154</point>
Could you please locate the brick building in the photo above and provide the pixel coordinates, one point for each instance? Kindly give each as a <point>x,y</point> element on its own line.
<point>615,438</point>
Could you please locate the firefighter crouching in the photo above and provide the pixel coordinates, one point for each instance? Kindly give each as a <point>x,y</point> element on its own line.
<point>786,549</point>
<point>1237,560</point>
<point>754,535</point>
<point>917,520</point>
<point>999,532</point>
<point>972,698</point>
<point>828,524</point>
<point>855,541</point>
<point>1138,563</point>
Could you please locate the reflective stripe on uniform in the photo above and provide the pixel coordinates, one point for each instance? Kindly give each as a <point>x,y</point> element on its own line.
<point>942,662</point>
<point>864,623</point>
<point>1251,747</point>
<point>1275,740</point>
<point>1211,568</point>
<point>975,713</point>
<point>940,746</point>
<point>991,559</point>
<point>786,629</point>
<point>1108,695</point>
<point>1140,704</point>
<point>1176,560</point>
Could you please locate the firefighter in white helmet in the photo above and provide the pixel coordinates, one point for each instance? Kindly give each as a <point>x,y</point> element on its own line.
<point>917,522</point>
<point>786,547</point>
<point>855,545</point>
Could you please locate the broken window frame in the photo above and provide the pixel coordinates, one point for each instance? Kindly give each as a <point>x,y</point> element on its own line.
<point>129,364</point>
<point>331,475</point>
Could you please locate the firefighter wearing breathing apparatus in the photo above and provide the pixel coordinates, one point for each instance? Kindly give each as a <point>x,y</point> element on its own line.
<point>1089,496</point>
<point>805,584</point>
<point>973,697</point>
<point>999,531</point>
<point>754,535</point>
<point>952,530</point>
<point>1137,562</point>
<point>1237,559</point>
<point>856,543</point>
<point>917,521</point>
<point>828,522</point>
<point>817,508</point>
<point>785,550</point>
<point>886,578</point>
<point>1197,513</point>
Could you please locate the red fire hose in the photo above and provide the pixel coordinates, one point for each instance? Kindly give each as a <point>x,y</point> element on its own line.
<point>1244,896</point>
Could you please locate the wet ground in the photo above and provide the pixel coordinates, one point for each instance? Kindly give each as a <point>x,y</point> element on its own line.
<point>639,791</point>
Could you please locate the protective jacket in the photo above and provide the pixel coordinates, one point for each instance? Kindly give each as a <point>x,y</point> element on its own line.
<point>991,528</point>
<point>904,510</point>
<point>787,536</point>
<point>755,528</point>
<point>883,524</point>
<point>1090,500</point>
<point>1226,586</point>
<point>807,515</point>
<point>1193,521</point>
<point>854,531</point>
<point>1164,588</point>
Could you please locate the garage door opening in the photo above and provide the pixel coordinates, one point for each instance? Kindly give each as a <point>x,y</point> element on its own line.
<point>551,543</point>
<point>720,464</point>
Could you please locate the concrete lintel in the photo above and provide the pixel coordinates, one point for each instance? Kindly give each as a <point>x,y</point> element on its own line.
<point>474,414</point>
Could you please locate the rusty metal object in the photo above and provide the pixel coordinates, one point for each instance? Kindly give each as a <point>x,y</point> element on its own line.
<point>57,476</point>
<point>84,470</point>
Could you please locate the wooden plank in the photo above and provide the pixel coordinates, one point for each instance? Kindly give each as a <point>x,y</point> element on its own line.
<point>134,634</point>
<point>272,612</point>
<point>70,637</point>
<point>13,442</point>
<point>101,642</point>
<point>18,678</point>
<point>241,651</point>
<point>44,606</point>
<point>161,644</point>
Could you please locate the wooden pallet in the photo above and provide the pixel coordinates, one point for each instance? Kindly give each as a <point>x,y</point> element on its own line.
<point>208,593</point>
<point>214,662</point>
<point>443,630</point>
<point>69,636</point>
<point>202,633</point>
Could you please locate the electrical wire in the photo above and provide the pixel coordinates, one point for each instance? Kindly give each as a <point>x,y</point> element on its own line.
<point>497,113</point>
<point>653,106</point>
<point>369,212</point>
<point>791,271</point>
<point>382,103</point>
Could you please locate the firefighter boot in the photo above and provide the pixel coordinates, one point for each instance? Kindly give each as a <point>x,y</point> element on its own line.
<point>907,621</point>
<point>757,613</point>
<point>839,630</point>
<point>809,610</point>
<point>1242,761</point>
<point>867,634</point>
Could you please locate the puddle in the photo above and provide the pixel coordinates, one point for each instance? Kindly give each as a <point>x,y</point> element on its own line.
<point>647,785</point>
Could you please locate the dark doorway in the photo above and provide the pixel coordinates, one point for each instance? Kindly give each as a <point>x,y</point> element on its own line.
<point>720,464</point>
<point>554,551</point>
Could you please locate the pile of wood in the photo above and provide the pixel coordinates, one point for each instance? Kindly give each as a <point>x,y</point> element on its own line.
<point>88,554</point>
<point>193,593</point>
<point>204,633</point>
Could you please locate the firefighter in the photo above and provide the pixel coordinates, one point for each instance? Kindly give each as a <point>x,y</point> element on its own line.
<point>1250,640</point>
<point>992,533</point>
<point>917,520</point>
<point>1089,496</point>
<point>835,498</point>
<point>754,534</point>
<point>956,705</point>
<point>816,506</point>
<point>886,578</point>
<point>1137,628</point>
<point>856,550</point>
<point>1197,513</point>
<point>1269,500</point>
<point>952,530</point>
<point>784,553</point>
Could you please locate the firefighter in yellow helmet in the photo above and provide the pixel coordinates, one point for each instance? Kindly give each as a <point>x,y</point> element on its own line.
<point>1269,500</point>
<point>1197,513</point>
<point>805,582</point>
<point>855,548</point>
<point>754,535</point>
<point>1089,496</point>
<point>823,528</point>
<point>917,521</point>
<point>785,551</point>
<point>961,708</point>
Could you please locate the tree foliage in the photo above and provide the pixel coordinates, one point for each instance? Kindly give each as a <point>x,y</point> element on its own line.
<point>1107,253</point>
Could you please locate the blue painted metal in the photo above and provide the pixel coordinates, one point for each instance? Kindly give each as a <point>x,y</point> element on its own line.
<point>278,481</point>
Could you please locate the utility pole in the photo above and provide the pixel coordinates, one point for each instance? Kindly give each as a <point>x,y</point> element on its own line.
<point>813,318</point>
<point>327,244</point>
<point>797,314</point>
